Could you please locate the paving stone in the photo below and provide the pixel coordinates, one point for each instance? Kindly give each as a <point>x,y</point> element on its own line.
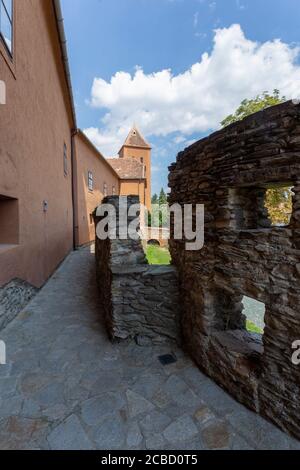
<point>50,395</point>
<point>110,434</point>
<point>134,436</point>
<point>32,382</point>
<point>155,442</point>
<point>110,381</point>
<point>46,379</point>
<point>203,415</point>
<point>190,445</point>
<point>257,431</point>
<point>30,409</point>
<point>69,435</point>
<point>8,386</point>
<point>194,377</point>
<point>154,422</point>
<point>19,433</point>
<point>188,399</point>
<point>56,412</point>
<point>148,383</point>
<point>94,410</point>
<point>181,430</point>
<point>137,404</point>
<point>216,435</point>
<point>11,406</point>
<point>174,386</point>
<point>161,399</point>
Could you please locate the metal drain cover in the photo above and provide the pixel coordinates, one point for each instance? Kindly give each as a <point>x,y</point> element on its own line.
<point>167,359</point>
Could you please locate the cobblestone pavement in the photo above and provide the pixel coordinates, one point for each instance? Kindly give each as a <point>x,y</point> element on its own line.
<point>67,387</point>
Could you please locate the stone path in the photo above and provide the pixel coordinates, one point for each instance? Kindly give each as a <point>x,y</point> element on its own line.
<point>67,387</point>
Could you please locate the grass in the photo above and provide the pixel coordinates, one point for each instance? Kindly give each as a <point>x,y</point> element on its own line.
<point>157,255</point>
<point>253,328</point>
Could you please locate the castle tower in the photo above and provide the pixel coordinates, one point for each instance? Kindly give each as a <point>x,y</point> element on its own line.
<point>136,147</point>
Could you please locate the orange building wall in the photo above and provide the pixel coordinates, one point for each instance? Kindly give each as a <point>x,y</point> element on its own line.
<point>89,159</point>
<point>34,125</point>
<point>133,187</point>
<point>136,188</point>
<point>138,153</point>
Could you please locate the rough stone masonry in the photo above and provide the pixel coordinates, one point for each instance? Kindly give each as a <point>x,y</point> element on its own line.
<point>138,300</point>
<point>229,172</point>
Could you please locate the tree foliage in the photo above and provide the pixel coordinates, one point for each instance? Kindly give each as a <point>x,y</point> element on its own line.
<point>248,107</point>
<point>159,214</point>
<point>278,200</point>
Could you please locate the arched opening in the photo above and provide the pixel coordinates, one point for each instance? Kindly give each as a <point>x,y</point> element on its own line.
<point>153,242</point>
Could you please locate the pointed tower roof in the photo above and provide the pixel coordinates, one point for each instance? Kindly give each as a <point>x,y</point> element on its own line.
<point>135,139</point>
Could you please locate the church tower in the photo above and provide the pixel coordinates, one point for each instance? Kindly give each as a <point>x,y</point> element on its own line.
<point>136,147</point>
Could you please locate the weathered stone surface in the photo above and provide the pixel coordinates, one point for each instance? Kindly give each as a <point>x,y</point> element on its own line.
<point>216,436</point>
<point>180,430</point>
<point>65,323</point>
<point>137,404</point>
<point>69,435</point>
<point>13,298</point>
<point>134,436</point>
<point>94,410</point>
<point>243,255</point>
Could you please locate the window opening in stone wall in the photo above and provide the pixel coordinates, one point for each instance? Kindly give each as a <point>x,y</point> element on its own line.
<point>9,221</point>
<point>279,205</point>
<point>253,208</point>
<point>254,312</point>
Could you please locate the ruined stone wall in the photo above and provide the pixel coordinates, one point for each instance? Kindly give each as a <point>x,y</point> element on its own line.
<point>229,173</point>
<point>138,301</point>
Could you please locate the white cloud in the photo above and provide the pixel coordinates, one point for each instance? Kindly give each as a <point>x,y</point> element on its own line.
<point>196,19</point>
<point>179,139</point>
<point>198,99</point>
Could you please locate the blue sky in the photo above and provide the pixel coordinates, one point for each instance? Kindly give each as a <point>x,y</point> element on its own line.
<point>142,61</point>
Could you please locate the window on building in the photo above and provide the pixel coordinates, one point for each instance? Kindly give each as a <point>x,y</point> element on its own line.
<point>113,190</point>
<point>6,23</point>
<point>105,189</point>
<point>65,160</point>
<point>90,181</point>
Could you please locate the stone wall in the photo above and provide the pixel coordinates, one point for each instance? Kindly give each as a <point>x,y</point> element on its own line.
<point>138,301</point>
<point>229,173</point>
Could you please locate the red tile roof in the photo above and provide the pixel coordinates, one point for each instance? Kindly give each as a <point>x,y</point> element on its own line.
<point>127,168</point>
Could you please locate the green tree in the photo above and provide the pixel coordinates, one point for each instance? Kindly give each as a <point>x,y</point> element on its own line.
<point>278,200</point>
<point>154,199</point>
<point>159,213</point>
<point>248,107</point>
<point>163,199</point>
